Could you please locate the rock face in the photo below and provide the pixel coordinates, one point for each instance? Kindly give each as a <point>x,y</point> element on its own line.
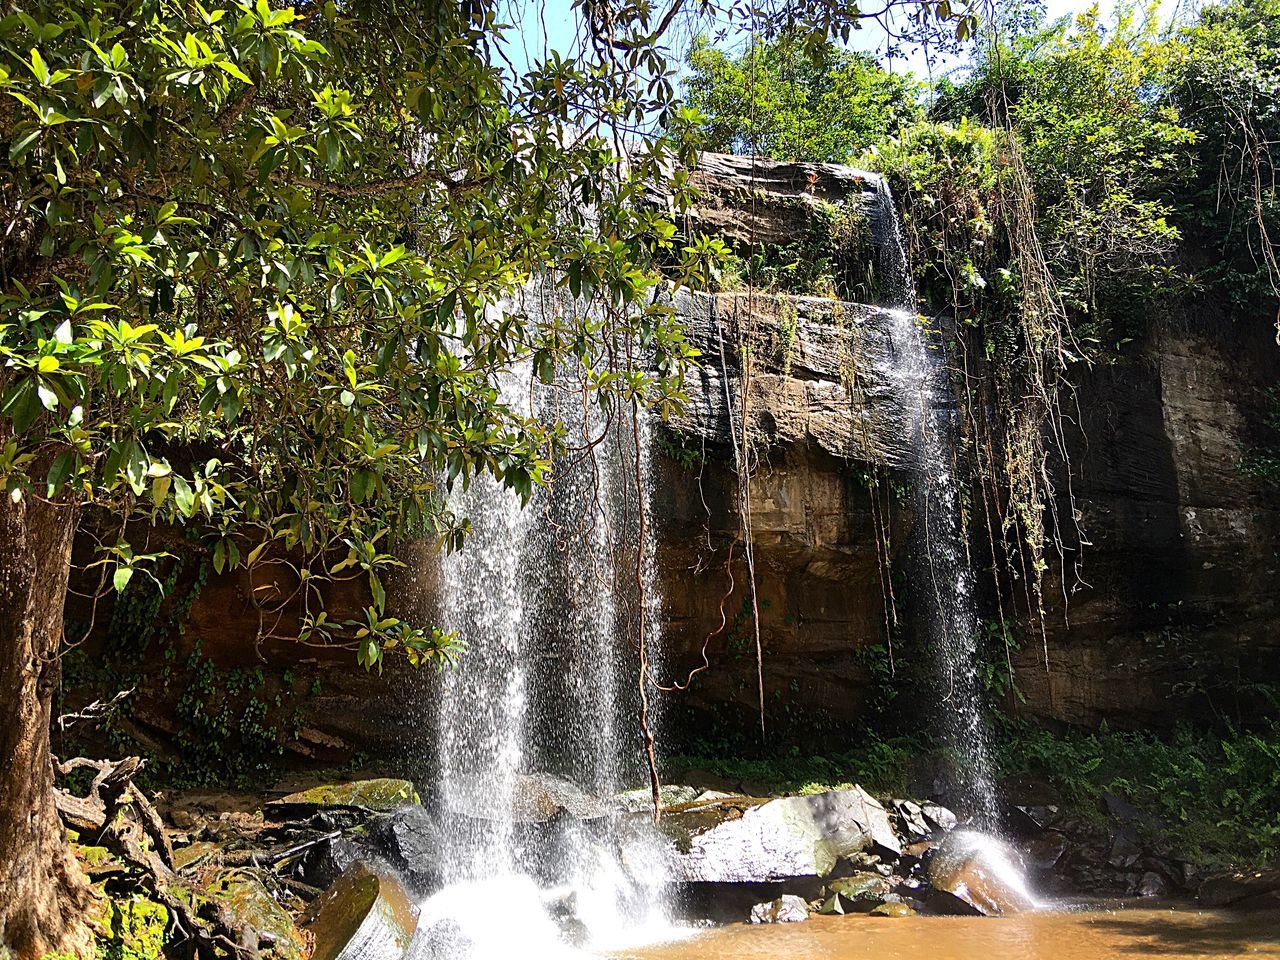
<point>1181,584</point>
<point>786,909</point>
<point>978,874</point>
<point>1181,579</point>
<point>766,841</point>
<point>366,915</point>
<point>1258,890</point>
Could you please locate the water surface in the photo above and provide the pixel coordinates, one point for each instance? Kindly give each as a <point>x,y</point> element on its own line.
<point>1154,934</point>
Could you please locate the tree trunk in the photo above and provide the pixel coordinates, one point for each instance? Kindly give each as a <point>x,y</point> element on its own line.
<point>43,894</point>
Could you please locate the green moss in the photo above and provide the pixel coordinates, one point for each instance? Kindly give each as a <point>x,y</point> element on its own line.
<point>253,903</point>
<point>879,766</point>
<point>136,930</point>
<point>381,794</point>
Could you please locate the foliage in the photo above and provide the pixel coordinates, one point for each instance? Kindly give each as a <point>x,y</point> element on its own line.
<point>879,765</point>
<point>779,99</point>
<point>251,260</point>
<point>831,258</point>
<point>1216,797</point>
<point>1225,81</point>
<point>1103,153</point>
<point>947,180</point>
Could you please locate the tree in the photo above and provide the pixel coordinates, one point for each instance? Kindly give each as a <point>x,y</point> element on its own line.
<point>250,283</point>
<point>784,100</point>
<point>1225,81</point>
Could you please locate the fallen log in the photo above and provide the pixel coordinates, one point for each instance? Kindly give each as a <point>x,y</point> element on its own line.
<point>123,820</point>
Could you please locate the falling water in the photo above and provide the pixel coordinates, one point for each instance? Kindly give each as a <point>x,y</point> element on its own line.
<point>541,710</point>
<point>939,553</point>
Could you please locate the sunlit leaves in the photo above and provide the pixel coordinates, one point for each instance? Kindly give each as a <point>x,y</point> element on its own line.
<point>261,272</point>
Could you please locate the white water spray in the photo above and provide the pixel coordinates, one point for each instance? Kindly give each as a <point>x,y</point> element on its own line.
<point>540,712</point>
<point>942,569</point>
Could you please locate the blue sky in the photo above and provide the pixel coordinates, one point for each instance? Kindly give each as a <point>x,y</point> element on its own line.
<point>551,25</point>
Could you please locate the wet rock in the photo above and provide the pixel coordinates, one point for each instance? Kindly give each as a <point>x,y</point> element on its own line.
<point>1044,852</point>
<point>938,817</point>
<point>1259,889</point>
<point>249,900</point>
<point>366,915</point>
<point>746,841</point>
<point>947,904</point>
<point>892,909</point>
<point>981,872</point>
<point>670,795</point>
<point>1125,849</point>
<point>1152,884</point>
<point>786,909</point>
<point>908,817</point>
<point>532,798</point>
<point>324,862</point>
<point>1030,820</point>
<point>860,893</point>
<point>409,839</point>
<point>381,795</point>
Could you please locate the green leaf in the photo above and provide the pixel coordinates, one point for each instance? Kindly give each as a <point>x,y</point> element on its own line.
<point>59,471</point>
<point>38,67</point>
<point>18,149</point>
<point>184,497</point>
<point>22,405</point>
<point>121,578</point>
<point>229,67</point>
<point>160,489</point>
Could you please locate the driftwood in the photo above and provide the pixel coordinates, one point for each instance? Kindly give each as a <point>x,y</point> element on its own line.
<point>94,712</point>
<point>120,817</point>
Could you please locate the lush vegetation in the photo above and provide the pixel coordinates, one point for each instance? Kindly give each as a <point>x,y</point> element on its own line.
<point>256,283</point>
<point>1074,187</point>
<point>1211,798</point>
<point>783,98</point>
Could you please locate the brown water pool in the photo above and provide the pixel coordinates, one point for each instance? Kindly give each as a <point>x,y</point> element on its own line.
<point>1181,933</point>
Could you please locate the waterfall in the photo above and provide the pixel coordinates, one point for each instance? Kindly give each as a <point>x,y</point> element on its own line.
<point>942,575</point>
<point>540,712</point>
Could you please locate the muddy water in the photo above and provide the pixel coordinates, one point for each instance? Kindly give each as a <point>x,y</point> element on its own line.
<point>1153,934</point>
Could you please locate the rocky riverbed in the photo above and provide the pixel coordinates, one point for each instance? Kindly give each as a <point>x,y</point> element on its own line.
<point>338,871</point>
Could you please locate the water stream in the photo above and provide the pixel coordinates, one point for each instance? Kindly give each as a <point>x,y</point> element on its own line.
<point>540,714</point>
<point>942,577</point>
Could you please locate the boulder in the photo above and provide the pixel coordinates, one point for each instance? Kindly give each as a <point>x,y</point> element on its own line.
<point>753,841</point>
<point>1152,884</point>
<point>861,893</point>
<point>381,795</point>
<point>366,915</point>
<point>324,862</point>
<point>909,819</point>
<point>975,873</point>
<point>532,798</point>
<point>892,909</point>
<point>786,909</point>
<point>409,839</point>
<point>252,903</point>
<point>1256,889</point>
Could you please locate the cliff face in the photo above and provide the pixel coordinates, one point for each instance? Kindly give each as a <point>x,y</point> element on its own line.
<point>1178,586</point>
<point>1180,574</point>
